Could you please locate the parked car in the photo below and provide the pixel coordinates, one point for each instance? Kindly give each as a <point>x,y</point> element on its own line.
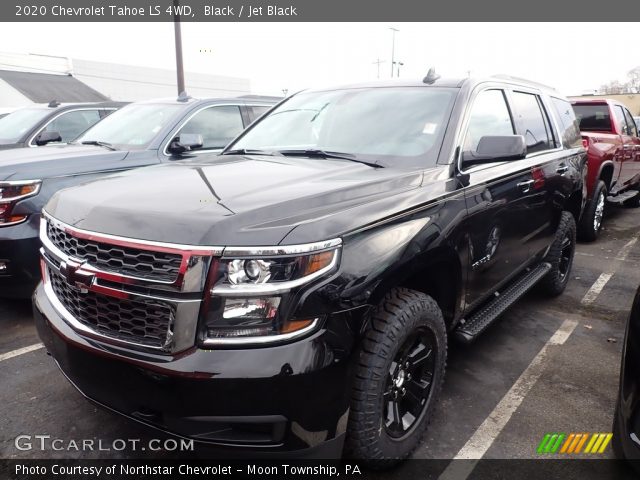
<point>53,123</point>
<point>626,423</point>
<point>138,135</point>
<point>294,294</point>
<point>614,160</point>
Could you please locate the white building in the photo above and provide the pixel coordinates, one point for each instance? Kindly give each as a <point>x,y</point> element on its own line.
<point>26,79</point>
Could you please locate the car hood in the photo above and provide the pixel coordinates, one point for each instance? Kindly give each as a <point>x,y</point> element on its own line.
<point>231,200</point>
<point>54,160</point>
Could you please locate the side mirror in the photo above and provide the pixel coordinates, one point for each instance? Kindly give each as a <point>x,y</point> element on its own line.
<point>47,137</point>
<point>496,148</point>
<point>185,142</point>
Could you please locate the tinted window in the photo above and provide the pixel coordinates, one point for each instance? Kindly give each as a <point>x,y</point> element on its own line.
<point>568,123</point>
<point>631,124</point>
<point>593,118</point>
<point>489,116</point>
<point>259,111</point>
<point>392,125</point>
<point>618,116</point>
<point>533,122</point>
<point>17,124</point>
<point>71,124</point>
<point>134,126</point>
<point>217,125</point>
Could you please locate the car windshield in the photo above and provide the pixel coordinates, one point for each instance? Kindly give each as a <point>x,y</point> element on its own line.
<point>132,127</point>
<point>16,124</point>
<point>388,126</point>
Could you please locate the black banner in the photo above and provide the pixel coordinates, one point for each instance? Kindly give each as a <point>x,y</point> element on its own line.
<point>544,468</point>
<point>315,11</point>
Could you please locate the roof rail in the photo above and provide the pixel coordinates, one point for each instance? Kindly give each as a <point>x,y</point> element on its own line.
<point>502,76</point>
<point>53,104</point>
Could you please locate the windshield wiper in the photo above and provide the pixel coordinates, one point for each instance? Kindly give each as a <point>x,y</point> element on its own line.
<point>317,153</point>
<point>98,143</point>
<point>248,151</point>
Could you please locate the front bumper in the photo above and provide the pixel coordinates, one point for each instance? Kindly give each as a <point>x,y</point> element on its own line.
<point>290,399</point>
<point>19,245</point>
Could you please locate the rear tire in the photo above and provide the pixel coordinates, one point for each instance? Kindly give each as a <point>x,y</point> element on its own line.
<point>398,379</point>
<point>591,221</point>
<point>560,257</point>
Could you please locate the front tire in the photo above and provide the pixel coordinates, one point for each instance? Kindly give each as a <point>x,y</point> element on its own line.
<point>560,256</point>
<point>591,221</point>
<point>398,378</point>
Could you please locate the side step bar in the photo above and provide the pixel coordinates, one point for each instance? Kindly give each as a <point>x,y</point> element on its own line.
<point>623,197</point>
<point>471,328</point>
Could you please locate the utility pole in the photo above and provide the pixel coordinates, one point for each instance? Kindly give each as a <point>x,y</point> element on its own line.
<point>178,37</point>
<point>378,62</point>
<point>393,47</point>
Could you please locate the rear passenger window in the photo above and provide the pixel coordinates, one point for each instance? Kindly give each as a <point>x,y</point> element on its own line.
<point>489,116</point>
<point>533,121</point>
<point>618,115</point>
<point>568,123</point>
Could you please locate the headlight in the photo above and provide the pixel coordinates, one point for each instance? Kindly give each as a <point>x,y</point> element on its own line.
<point>10,194</point>
<point>250,289</point>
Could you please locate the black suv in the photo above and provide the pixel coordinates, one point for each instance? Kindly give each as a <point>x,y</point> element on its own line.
<point>296,294</point>
<point>138,135</point>
<point>39,125</point>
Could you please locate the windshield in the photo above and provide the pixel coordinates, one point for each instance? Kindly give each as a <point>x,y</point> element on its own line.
<point>393,126</point>
<point>16,124</point>
<point>132,127</point>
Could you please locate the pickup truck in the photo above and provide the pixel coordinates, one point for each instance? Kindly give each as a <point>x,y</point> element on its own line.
<point>138,135</point>
<point>611,135</point>
<point>296,294</point>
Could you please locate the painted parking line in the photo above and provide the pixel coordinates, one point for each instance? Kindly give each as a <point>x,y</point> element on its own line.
<point>20,351</point>
<point>603,279</point>
<point>488,431</point>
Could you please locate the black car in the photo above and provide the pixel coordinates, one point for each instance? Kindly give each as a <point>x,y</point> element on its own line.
<point>39,125</point>
<point>626,423</point>
<point>138,135</point>
<point>296,294</point>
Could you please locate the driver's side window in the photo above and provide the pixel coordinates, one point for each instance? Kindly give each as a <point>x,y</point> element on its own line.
<point>489,116</point>
<point>217,125</point>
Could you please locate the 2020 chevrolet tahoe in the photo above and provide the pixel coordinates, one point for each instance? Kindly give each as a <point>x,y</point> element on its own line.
<point>296,294</point>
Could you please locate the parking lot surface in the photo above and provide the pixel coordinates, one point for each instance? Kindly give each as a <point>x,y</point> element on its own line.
<point>545,366</point>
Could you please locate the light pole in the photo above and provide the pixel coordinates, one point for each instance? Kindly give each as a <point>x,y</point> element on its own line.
<point>399,64</point>
<point>393,47</point>
<point>178,37</point>
<point>378,62</point>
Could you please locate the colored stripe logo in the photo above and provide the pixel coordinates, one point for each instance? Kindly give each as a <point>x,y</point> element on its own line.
<point>574,443</point>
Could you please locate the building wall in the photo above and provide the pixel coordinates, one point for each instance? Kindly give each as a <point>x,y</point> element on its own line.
<point>630,100</point>
<point>11,98</point>
<point>132,83</point>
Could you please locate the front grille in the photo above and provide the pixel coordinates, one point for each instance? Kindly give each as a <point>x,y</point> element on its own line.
<point>133,262</point>
<point>145,322</point>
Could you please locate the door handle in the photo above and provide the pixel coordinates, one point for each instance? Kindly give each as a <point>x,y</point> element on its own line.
<point>562,169</point>
<point>525,186</point>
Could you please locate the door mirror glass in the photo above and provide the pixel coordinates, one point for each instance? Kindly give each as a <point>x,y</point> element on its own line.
<point>496,148</point>
<point>47,136</point>
<point>185,142</point>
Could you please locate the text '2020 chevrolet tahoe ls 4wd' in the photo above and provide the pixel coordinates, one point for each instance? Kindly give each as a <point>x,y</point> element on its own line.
<point>297,292</point>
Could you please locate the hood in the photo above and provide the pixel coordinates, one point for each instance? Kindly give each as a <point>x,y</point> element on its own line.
<point>231,200</point>
<point>54,160</point>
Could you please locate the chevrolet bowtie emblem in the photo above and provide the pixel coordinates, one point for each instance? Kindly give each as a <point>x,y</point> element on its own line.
<point>77,277</point>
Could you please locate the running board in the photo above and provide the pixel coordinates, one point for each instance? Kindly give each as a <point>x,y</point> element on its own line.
<point>622,197</point>
<point>470,329</point>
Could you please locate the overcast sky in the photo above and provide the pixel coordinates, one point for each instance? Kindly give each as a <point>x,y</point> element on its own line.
<point>575,58</point>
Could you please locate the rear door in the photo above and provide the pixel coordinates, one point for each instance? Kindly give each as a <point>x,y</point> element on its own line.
<point>498,199</point>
